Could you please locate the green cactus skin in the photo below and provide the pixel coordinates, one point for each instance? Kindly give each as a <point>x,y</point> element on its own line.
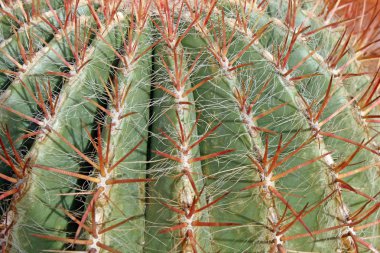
<point>185,126</point>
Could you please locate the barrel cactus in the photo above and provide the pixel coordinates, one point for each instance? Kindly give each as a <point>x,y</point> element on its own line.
<point>187,126</point>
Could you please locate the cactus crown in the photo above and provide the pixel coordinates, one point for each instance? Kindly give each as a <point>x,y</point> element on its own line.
<point>187,125</point>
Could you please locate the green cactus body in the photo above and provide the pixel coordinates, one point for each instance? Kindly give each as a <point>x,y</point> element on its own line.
<point>185,126</point>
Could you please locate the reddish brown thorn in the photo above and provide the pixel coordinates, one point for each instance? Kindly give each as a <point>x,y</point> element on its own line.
<point>173,228</point>
<point>377,120</point>
<point>239,66</point>
<point>294,68</point>
<point>67,64</point>
<point>275,226</point>
<point>326,99</point>
<point>210,11</point>
<point>99,152</point>
<point>255,185</point>
<point>166,90</point>
<point>329,25</point>
<point>105,230</point>
<point>9,72</point>
<point>289,225</point>
<point>41,103</point>
<point>20,114</point>
<point>183,35</point>
<point>349,75</point>
<point>348,141</point>
<point>174,158</point>
<point>256,163</point>
<point>187,173</point>
<point>269,111</point>
<point>73,218</point>
<point>207,134</point>
<point>145,50</point>
<point>308,108</point>
<point>347,161</point>
<point>9,179</point>
<point>299,78</point>
<point>284,60</point>
<point>181,128</point>
<point>360,240</point>
<point>125,156</point>
<point>213,224</point>
<point>361,215</point>
<point>61,74</point>
<point>275,157</point>
<point>278,195</point>
<point>171,140</point>
<point>174,209</point>
<point>281,248</point>
<point>82,65</point>
<point>343,52</point>
<point>256,36</point>
<point>338,111</point>
<point>93,164</point>
<point>168,28</point>
<point>213,155</point>
<point>8,193</point>
<point>11,16</point>
<point>119,97</point>
<point>291,14</point>
<point>126,115</point>
<point>298,236</point>
<point>353,172</point>
<point>368,45</point>
<point>94,14</point>
<point>211,203</point>
<point>63,27</point>
<point>187,92</point>
<point>67,173</point>
<point>15,152</point>
<point>129,180</point>
<point>26,15</point>
<point>176,73</point>
<point>13,60</point>
<point>358,228</point>
<point>65,240</point>
<point>76,193</point>
<point>55,29</point>
<point>320,202</point>
<point>193,241</point>
<point>88,210</point>
<point>107,248</point>
<point>350,188</point>
<point>22,50</point>
<point>334,51</point>
<point>29,135</point>
<point>110,47</point>
<point>179,134</point>
<point>8,160</point>
<point>371,90</point>
<point>295,168</point>
<point>264,130</point>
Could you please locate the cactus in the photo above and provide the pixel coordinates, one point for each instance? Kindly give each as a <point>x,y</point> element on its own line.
<point>187,126</point>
